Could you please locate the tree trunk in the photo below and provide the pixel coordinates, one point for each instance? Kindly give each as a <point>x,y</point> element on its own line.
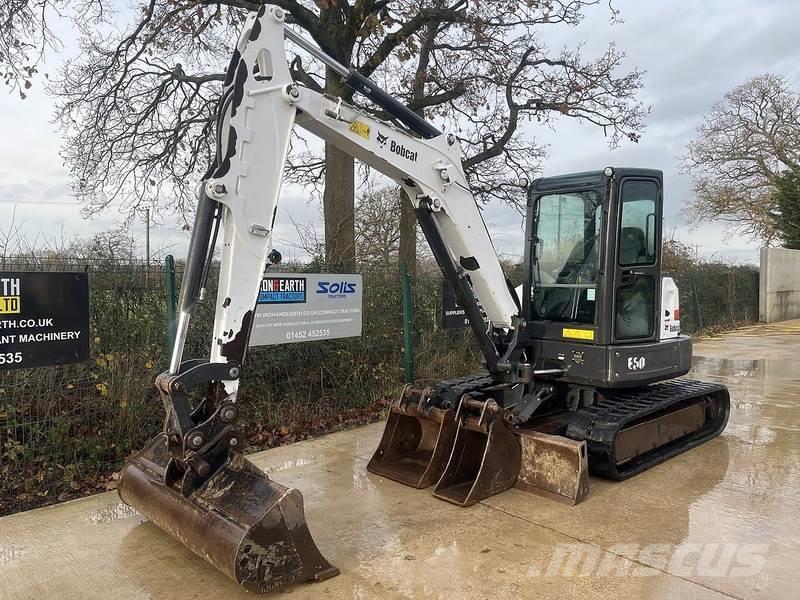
<point>408,219</point>
<point>338,208</point>
<point>408,233</point>
<point>338,202</point>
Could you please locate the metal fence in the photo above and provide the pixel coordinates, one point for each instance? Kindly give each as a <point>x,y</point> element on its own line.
<point>717,296</point>
<point>64,430</point>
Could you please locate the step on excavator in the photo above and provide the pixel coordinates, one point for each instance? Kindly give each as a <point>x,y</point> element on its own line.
<point>582,364</point>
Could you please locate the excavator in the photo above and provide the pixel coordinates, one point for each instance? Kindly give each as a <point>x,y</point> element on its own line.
<point>583,365</point>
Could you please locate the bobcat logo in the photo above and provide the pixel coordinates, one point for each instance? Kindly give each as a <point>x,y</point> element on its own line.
<point>382,139</point>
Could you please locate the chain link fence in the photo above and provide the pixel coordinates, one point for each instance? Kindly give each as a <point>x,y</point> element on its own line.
<point>65,430</point>
<point>715,297</point>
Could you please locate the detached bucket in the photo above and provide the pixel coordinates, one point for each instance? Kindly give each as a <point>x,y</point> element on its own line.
<point>250,528</point>
<point>416,441</point>
<point>553,466</point>
<point>486,455</point>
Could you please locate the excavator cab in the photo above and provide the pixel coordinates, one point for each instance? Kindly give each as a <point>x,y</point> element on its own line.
<point>593,295</point>
<point>599,309</point>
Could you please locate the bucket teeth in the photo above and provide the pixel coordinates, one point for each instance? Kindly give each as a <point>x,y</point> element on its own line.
<point>417,440</point>
<point>252,529</point>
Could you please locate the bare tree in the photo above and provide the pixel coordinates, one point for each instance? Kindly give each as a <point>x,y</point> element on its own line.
<point>745,142</point>
<point>25,34</point>
<point>137,106</point>
<point>488,78</point>
<point>378,226</point>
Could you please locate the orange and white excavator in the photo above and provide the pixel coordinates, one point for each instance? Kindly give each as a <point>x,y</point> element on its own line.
<point>582,366</point>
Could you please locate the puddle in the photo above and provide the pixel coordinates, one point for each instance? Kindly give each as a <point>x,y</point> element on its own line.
<point>294,463</point>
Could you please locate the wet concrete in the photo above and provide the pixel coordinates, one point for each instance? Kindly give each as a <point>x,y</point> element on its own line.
<point>719,521</point>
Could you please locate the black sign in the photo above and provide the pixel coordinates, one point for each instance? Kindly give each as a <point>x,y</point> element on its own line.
<point>453,316</point>
<point>44,319</point>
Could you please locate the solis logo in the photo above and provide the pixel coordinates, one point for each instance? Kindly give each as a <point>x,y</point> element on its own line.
<point>337,289</point>
<point>10,295</point>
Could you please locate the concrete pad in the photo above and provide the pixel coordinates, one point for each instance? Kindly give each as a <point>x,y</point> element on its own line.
<point>716,522</point>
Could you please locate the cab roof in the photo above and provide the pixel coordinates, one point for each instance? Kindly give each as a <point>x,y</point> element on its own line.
<point>589,179</point>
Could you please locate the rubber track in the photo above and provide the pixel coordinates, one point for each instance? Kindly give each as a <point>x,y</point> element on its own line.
<point>449,392</point>
<point>600,423</point>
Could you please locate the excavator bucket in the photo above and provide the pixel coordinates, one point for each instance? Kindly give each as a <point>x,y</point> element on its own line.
<point>553,466</point>
<point>486,454</point>
<point>417,440</point>
<point>249,527</point>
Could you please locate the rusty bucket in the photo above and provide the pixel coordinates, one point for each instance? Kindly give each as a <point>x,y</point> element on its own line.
<point>249,527</point>
<point>553,466</point>
<point>417,440</point>
<point>486,454</point>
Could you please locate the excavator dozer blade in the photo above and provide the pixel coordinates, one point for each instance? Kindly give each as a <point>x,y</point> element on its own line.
<point>553,466</point>
<point>416,442</point>
<point>249,527</point>
<point>486,455</point>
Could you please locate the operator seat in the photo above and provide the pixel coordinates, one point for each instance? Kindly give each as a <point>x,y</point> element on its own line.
<point>632,246</point>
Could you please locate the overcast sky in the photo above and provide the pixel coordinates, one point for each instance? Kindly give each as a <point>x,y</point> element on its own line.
<point>693,52</point>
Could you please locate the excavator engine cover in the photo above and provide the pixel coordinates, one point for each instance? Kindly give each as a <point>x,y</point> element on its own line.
<point>417,440</point>
<point>249,527</point>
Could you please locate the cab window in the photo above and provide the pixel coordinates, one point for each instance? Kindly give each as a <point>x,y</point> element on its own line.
<point>565,257</point>
<point>637,236</point>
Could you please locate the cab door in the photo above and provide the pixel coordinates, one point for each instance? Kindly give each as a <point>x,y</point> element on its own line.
<point>637,270</point>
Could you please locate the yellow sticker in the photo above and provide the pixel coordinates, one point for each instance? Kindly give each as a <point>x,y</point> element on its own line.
<point>578,334</point>
<point>9,305</point>
<point>361,129</point>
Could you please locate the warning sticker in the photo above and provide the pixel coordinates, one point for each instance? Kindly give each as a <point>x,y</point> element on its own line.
<point>578,334</point>
<point>360,128</point>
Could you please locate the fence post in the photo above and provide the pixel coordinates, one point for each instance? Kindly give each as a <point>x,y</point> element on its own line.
<point>408,344</point>
<point>696,302</point>
<point>169,273</point>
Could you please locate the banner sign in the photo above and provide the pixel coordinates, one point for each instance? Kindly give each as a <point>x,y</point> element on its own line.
<point>305,307</point>
<point>44,319</point>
